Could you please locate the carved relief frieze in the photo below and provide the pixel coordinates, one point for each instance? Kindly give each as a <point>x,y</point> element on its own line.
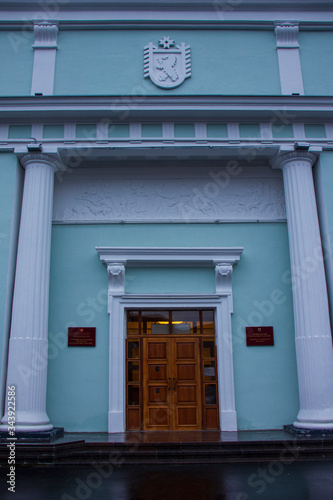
<point>125,198</point>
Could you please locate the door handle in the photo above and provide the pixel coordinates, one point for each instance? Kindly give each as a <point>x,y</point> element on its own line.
<point>174,384</point>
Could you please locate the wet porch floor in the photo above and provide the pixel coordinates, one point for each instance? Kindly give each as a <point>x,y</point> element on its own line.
<point>177,436</point>
<point>260,481</point>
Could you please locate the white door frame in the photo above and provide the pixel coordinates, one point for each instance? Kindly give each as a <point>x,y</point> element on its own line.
<point>119,302</point>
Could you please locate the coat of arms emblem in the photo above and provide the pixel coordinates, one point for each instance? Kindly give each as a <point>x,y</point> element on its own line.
<point>167,65</point>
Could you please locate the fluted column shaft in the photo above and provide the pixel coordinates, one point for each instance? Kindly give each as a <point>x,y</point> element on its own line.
<point>312,326</point>
<point>27,359</point>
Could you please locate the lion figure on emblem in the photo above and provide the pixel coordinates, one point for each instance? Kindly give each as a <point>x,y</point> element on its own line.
<point>167,65</point>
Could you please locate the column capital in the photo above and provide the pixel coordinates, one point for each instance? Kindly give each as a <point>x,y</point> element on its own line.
<point>45,35</point>
<point>286,35</point>
<point>282,159</point>
<point>42,158</point>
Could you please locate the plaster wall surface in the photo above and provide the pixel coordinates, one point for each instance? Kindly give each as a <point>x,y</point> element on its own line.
<point>265,377</point>
<point>111,62</point>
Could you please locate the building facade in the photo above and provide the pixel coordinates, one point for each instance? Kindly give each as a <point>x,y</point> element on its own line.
<point>166,214</point>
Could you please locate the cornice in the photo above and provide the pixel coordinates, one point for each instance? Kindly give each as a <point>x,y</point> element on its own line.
<point>164,256</point>
<point>166,107</point>
<point>165,23</point>
<point>177,5</point>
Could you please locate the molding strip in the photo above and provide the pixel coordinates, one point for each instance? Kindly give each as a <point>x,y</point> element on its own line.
<point>166,256</point>
<point>84,107</point>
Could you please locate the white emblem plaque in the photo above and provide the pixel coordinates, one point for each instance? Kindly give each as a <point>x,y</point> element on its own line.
<point>167,65</point>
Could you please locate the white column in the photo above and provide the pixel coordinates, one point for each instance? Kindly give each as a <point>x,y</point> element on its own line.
<point>45,49</point>
<point>312,326</point>
<point>28,345</point>
<point>289,60</point>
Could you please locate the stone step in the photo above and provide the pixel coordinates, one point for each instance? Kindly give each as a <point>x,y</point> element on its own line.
<point>81,452</point>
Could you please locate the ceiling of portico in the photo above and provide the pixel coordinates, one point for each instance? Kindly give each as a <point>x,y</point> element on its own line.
<point>187,156</point>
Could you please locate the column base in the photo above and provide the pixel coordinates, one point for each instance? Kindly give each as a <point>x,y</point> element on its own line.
<point>32,436</point>
<point>116,421</point>
<point>26,421</point>
<point>315,419</point>
<point>299,432</point>
<point>27,428</point>
<point>228,421</point>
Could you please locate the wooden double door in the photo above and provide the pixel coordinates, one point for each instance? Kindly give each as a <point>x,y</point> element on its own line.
<point>171,384</point>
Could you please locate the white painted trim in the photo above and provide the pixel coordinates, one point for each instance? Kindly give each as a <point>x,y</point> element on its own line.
<point>117,376</point>
<point>87,108</point>
<point>299,131</point>
<point>166,256</point>
<point>286,35</point>
<point>45,47</point>
<point>261,220</point>
<point>144,14</point>
<point>289,60</point>
<point>181,5</point>
<point>222,259</point>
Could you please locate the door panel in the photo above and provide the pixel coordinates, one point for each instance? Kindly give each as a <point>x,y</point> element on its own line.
<point>187,393</point>
<point>172,385</point>
<point>158,395</point>
<point>157,372</point>
<point>185,350</point>
<point>157,350</point>
<point>156,386</point>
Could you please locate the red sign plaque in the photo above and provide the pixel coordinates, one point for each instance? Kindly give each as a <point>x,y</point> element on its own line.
<point>82,337</point>
<point>259,335</point>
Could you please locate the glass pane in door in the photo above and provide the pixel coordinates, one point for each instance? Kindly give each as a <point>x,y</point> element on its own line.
<point>155,322</point>
<point>185,322</point>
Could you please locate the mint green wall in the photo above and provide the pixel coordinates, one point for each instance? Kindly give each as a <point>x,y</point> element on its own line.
<point>16,59</point>
<point>265,377</point>
<point>323,176</point>
<point>155,280</point>
<point>10,182</point>
<point>326,169</point>
<point>316,56</point>
<point>111,62</point>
